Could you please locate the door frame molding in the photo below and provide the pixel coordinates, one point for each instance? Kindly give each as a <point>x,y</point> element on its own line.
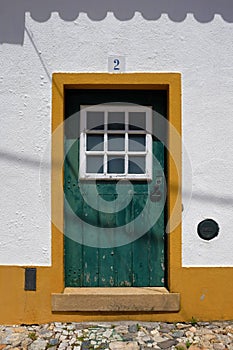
<point>171,82</point>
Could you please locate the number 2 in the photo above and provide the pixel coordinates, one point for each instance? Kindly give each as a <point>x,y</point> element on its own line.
<point>116,64</point>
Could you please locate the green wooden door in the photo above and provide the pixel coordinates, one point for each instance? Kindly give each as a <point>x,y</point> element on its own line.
<point>138,212</point>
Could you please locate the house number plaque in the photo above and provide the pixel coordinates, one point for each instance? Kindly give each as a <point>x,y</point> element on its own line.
<point>116,64</point>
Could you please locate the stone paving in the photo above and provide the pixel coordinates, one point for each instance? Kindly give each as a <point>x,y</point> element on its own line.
<point>119,336</point>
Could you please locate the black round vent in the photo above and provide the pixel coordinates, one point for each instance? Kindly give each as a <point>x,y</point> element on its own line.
<point>208,229</point>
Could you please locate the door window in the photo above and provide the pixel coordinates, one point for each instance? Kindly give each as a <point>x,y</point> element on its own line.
<point>115,142</point>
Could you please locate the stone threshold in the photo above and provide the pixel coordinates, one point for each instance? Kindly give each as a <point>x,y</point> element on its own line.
<point>131,299</point>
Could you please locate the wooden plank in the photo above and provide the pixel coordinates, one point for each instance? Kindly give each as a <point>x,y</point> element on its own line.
<point>140,246</point>
<point>73,204</point>
<point>108,222</point>
<point>123,253</point>
<point>155,220</point>
<point>90,253</point>
<point>156,256</point>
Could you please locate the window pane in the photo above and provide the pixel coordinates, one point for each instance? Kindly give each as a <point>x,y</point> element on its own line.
<point>95,120</point>
<point>116,165</point>
<point>137,143</point>
<point>95,164</point>
<point>95,142</point>
<point>137,121</point>
<point>116,121</point>
<point>137,165</point>
<point>116,142</point>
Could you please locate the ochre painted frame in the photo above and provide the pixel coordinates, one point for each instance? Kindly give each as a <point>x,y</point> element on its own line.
<point>206,293</point>
<point>144,81</point>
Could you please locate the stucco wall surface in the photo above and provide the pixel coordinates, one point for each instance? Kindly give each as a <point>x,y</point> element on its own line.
<point>201,51</point>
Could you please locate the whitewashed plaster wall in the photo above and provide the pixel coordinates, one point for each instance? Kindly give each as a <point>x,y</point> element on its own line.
<point>202,52</point>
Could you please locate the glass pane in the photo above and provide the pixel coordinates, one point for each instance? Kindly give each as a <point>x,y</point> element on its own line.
<point>95,164</point>
<point>95,120</point>
<point>137,143</point>
<point>116,120</point>
<point>116,165</point>
<point>137,121</point>
<point>95,142</point>
<point>137,165</point>
<point>116,142</point>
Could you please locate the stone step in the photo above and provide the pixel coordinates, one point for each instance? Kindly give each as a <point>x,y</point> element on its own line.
<point>133,299</point>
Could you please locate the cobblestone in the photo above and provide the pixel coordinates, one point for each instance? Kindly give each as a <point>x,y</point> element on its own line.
<point>118,336</point>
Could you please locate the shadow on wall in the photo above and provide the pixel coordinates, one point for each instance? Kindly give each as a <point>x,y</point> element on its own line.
<point>12,13</point>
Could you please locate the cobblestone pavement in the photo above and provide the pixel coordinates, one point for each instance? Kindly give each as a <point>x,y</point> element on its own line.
<point>119,336</point>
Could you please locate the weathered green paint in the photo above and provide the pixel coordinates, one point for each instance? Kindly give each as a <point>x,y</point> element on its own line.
<point>140,263</point>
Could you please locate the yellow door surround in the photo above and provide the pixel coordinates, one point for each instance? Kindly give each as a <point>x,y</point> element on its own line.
<point>171,82</point>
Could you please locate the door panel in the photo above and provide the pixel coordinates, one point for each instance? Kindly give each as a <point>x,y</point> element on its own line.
<point>138,263</point>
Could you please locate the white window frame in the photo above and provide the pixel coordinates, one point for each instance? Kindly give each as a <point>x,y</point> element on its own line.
<point>83,153</point>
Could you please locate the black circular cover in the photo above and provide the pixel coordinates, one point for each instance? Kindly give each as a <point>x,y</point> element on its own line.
<point>207,229</point>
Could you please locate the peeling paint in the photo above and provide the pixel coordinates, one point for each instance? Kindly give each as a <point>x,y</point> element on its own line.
<point>203,296</point>
<point>125,284</point>
<point>163,266</point>
<point>88,278</point>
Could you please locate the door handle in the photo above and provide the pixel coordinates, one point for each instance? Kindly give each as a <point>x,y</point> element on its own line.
<point>156,194</point>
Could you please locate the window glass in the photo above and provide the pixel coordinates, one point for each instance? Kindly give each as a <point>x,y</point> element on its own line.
<point>95,142</point>
<point>116,142</point>
<point>137,121</point>
<point>95,164</point>
<point>95,120</point>
<point>136,165</point>
<point>115,165</point>
<point>116,121</point>
<point>137,143</point>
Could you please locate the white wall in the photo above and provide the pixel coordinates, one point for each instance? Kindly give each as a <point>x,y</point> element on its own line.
<point>201,51</point>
